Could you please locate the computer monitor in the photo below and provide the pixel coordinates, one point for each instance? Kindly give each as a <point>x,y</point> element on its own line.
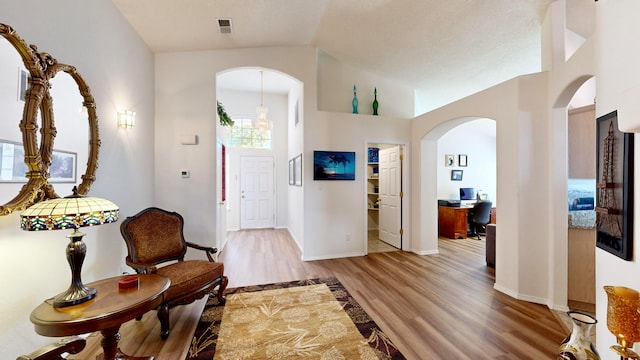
<point>467,194</point>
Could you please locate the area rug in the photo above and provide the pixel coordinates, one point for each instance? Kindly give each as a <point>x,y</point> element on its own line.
<point>306,319</point>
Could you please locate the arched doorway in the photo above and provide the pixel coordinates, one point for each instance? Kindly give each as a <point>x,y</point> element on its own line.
<point>475,139</point>
<point>574,122</point>
<point>241,90</point>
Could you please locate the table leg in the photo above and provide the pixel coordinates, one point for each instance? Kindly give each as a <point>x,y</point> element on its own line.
<point>109,342</point>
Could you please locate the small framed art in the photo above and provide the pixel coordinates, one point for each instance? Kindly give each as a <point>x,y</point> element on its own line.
<point>449,160</point>
<point>297,167</point>
<point>292,180</point>
<point>456,175</point>
<point>462,160</point>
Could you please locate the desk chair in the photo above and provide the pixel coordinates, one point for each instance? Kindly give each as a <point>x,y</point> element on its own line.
<point>479,217</point>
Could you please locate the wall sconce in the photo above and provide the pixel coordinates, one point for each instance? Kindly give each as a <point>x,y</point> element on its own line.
<point>126,119</point>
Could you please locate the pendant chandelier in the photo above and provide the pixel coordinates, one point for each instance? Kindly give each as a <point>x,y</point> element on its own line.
<point>261,123</point>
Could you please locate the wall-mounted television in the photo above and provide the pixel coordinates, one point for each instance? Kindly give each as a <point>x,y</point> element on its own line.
<point>334,165</point>
<point>467,193</point>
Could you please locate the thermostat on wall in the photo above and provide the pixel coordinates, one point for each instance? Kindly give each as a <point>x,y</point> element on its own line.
<point>184,173</point>
<point>189,139</point>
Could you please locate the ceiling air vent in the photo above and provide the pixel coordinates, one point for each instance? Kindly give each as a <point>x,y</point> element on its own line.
<point>224,26</point>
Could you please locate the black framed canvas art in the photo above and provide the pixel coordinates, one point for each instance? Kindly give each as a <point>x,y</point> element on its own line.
<point>614,187</point>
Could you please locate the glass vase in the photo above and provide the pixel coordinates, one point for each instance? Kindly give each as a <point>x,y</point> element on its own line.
<point>354,102</point>
<point>578,345</point>
<point>375,101</point>
<point>623,319</point>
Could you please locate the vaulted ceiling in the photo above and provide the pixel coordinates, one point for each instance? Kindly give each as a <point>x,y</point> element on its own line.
<point>444,49</point>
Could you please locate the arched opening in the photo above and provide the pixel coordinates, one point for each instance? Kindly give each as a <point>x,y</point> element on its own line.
<point>241,91</point>
<point>573,125</point>
<point>462,154</point>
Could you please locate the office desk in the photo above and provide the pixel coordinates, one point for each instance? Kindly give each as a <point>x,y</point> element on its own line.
<point>105,313</point>
<point>453,222</point>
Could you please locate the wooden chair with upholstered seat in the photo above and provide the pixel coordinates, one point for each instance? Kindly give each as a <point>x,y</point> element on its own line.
<point>56,350</point>
<point>155,236</point>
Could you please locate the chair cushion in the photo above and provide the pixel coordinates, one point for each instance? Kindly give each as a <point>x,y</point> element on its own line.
<point>187,276</point>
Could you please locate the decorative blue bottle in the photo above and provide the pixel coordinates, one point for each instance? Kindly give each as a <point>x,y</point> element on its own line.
<point>354,102</point>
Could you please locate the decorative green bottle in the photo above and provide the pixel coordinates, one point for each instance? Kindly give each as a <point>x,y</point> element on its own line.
<point>375,101</point>
<point>354,102</point>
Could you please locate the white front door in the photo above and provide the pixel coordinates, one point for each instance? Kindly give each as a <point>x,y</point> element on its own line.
<point>390,187</point>
<point>256,192</point>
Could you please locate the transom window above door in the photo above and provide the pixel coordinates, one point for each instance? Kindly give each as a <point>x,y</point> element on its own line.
<point>243,134</point>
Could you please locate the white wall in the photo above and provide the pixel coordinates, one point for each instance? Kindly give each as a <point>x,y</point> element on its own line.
<point>117,65</point>
<point>521,128</point>
<point>295,143</point>
<point>477,140</point>
<point>618,88</point>
<point>335,90</point>
<point>337,209</point>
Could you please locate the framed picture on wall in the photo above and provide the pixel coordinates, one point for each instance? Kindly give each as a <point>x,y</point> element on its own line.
<point>449,160</point>
<point>292,180</point>
<point>614,187</point>
<point>297,167</point>
<point>462,160</point>
<point>63,167</point>
<point>12,164</point>
<point>23,80</point>
<point>456,175</point>
<point>334,165</point>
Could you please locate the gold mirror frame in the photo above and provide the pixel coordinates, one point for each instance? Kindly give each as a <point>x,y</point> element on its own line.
<point>31,192</point>
<point>42,67</point>
<point>49,128</point>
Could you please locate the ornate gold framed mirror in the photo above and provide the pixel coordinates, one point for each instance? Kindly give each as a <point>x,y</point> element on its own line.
<point>38,148</point>
<point>89,109</point>
<point>33,97</point>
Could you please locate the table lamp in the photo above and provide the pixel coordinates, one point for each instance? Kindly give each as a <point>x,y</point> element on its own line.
<point>72,212</point>
<point>623,319</point>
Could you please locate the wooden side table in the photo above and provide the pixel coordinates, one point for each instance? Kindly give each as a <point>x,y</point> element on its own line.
<point>105,313</point>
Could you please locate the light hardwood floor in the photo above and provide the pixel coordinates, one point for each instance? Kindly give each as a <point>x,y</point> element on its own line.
<point>432,307</point>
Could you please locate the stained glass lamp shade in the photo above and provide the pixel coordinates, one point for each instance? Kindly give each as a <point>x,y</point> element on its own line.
<point>71,212</point>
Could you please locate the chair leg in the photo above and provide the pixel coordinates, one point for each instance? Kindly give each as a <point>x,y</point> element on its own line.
<point>223,286</point>
<point>163,316</point>
<point>474,231</point>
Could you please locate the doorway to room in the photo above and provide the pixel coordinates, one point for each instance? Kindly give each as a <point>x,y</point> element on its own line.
<point>384,197</point>
<point>464,172</point>
<point>581,194</point>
